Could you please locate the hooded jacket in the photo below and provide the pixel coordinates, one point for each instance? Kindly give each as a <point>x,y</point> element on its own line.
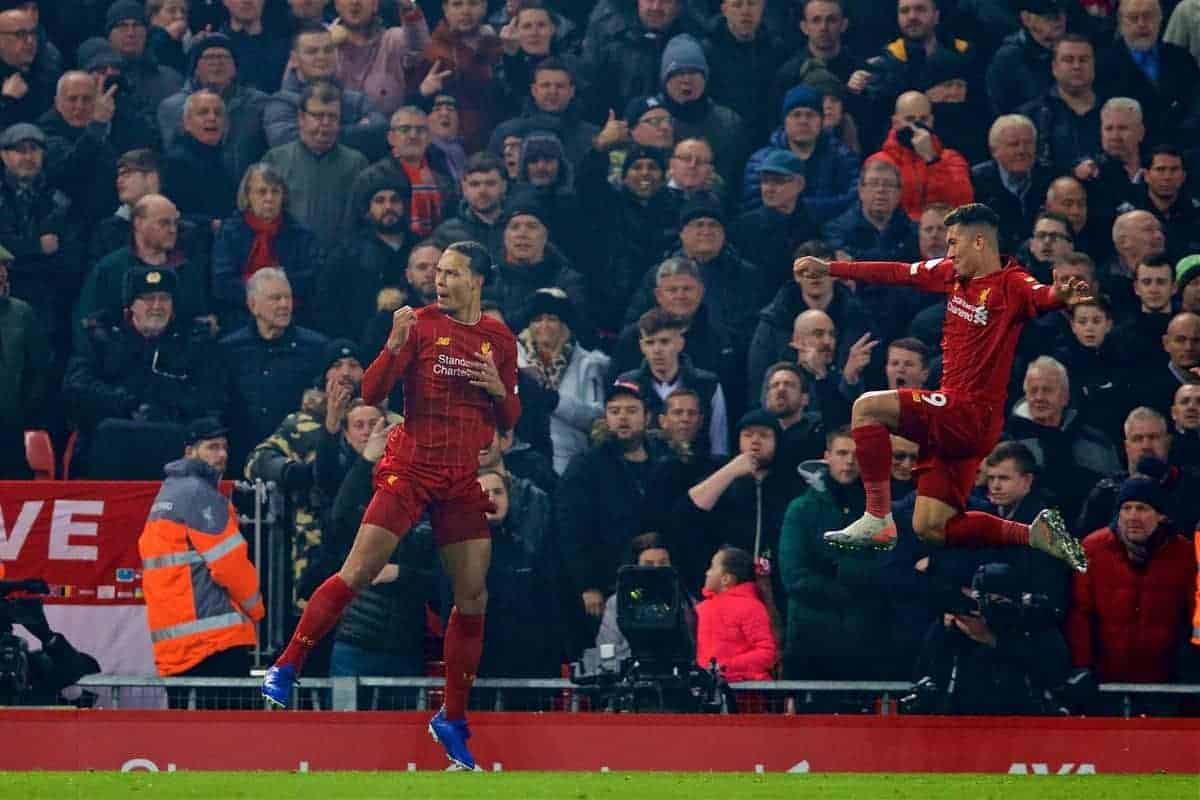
<point>201,590</point>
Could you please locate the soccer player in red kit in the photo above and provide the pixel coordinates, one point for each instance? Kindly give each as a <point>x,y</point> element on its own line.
<point>459,370</point>
<point>956,426</point>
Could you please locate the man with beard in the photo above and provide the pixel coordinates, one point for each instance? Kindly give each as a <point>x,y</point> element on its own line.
<point>314,57</point>
<point>155,227</point>
<point>292,456</point>
<point>785,396</point>
<point>480,213</point>
<point>547,174</point>
<point>600,501</point>
<point>317,168</point>
<point>141,368</point>
<point>272,360</point>
<point>212,66</point>
<point>25,382</point>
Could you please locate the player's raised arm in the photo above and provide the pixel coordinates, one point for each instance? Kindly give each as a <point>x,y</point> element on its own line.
<point>932,275</point>
<point>392,360</point>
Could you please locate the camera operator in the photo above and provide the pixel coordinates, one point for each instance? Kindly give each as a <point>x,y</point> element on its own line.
<point>648,551</point>
<point>996,650</point>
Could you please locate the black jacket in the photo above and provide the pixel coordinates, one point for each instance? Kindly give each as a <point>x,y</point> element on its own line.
<point>1064,137</point>
<point>41,79</point>
<point>516,283</point>
<point>853,233</point>
<point>349,282</point>
<point>1016,213</point>
<point>1182,483</point>
<point>730,61</point>
<point>196,178</point>
<point>294,246</point>
<point>468,226</point>
<point>268,379</point>
<point>179,376</point>
<point>768,239</point>
<point>1168,105</point>
<point>1019,72</point>
<point>706,346</point>
<point>701,381</point>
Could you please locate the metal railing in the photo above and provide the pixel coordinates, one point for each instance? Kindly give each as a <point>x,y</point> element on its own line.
<point>500,694</point>
<point>270,545</point>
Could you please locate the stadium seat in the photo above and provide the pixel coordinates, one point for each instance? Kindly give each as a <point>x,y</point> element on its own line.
<point>39,453</point>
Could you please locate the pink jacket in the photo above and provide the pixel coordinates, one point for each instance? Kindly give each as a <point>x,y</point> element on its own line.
<point>379,68</point>
<point>734,628</point>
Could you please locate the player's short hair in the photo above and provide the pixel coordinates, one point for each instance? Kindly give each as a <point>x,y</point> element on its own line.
<point>841,432</point>
<point>738,563</point>
<point>913,345</point>
<point>1016,452</point>
<point>1143,414</point>
<point>815,248</point>
<point>973,214</point>
<point>1158,261</point>
<point>478,257</point>
<point>657,320</point>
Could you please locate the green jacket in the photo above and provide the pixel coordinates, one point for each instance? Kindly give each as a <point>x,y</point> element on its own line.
<point>838,622</point>
<point>25,363</point>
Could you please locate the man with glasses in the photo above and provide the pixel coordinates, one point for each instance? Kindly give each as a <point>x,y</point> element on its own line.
<point>1050,242</point>
<point>413,157</point>
<point>26,82</point>
<point>314,57</point>
<point>317,168</point>
<point>876,228</point>
<point>212,66</point>
<point>141,366</point>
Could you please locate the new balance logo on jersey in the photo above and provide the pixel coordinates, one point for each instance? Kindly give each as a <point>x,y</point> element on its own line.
<point>443,341</point>
<point>974,314</point>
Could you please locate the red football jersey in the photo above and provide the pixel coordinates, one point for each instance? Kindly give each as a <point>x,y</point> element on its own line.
<point>447,421</point>
<point>984,317</point>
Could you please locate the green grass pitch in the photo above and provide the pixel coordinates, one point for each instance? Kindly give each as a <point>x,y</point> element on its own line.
<point>585,786</point>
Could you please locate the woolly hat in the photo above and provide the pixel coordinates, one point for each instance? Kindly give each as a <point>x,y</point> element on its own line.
<point>682,54</point>
<point>204,428</point>
<point>542,145</point>
<point>526,202</point>
<point>637,153</point>
<point>803,96</point>
<point>213,41</point>
<point>550,300</point>
<point>699,209</point>
<point>1186,271</point>
<point>638,106</point>
<point>142,280</point>
<point>124,10</point>
<point>761,419</point>
<point>335,351</point>
<point>1143,489</point>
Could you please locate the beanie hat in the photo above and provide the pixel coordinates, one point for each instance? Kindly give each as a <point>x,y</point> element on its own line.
<point>213,41</point>
<point>638,106</point>
<point>1143,489</point>
<point>682,54</point>
<point>803,96</point>
<point>1186,271</point>
<point>699,209</point>
<point>550,300</point>
<point>95,53</point>
<point>142,280</point>
<point>527,203</point>
<point>541,145</point>
<point>637,153</point>
<point>123,10</point>
<point>335,351</point>
<point>762,419</point>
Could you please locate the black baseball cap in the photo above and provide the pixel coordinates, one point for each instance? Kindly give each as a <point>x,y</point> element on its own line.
<point>622,386</point>
<point>204,428</point>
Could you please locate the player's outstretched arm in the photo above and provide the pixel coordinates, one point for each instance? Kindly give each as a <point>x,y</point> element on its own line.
<point>931,276</point>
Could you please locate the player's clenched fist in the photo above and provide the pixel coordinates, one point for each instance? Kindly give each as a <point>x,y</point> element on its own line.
<point>403,319</point>
<point>809,267</point>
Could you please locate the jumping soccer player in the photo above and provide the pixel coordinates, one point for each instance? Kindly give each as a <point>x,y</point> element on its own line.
<point>459,369</point>
<point>957,425</point>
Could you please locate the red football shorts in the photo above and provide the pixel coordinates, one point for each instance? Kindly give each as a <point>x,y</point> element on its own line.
<point>955,434</point>
<point>457,506</point>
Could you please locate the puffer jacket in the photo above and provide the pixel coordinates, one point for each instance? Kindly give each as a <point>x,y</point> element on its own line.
<point>830,176</point>
<point>1127,623</point>
<point>734,629</point>
<point>201,590</point>
<point>946,179</point>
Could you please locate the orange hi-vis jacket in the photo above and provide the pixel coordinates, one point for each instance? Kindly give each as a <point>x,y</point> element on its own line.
<point>201,590</point>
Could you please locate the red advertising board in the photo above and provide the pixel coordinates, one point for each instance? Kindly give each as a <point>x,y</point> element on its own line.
<point>199,740</point>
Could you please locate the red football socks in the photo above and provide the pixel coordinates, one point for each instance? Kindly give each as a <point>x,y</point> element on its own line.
<point>873,451</point>
<point>980,529</point>
<point>462,647</point>
<point>322,613</point>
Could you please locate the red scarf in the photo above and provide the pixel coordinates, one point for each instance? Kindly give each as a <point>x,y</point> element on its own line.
<point>262,250</point>
<point>425,207</point>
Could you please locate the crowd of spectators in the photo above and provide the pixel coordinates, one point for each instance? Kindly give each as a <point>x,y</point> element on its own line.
<point>210,209</point>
